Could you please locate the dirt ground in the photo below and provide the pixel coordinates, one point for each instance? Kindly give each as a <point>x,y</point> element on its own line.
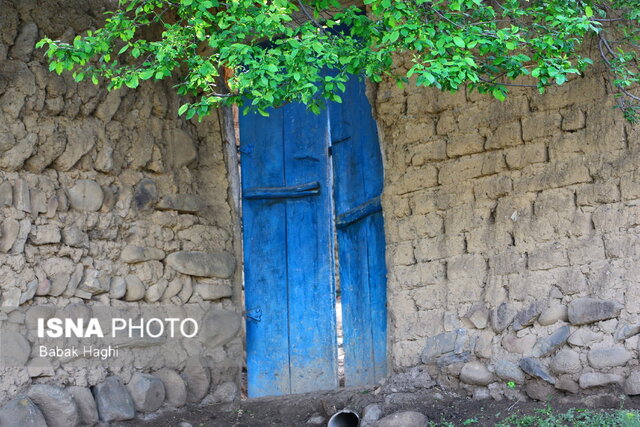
<point>438,405</point>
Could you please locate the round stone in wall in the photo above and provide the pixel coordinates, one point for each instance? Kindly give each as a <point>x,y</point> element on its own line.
<point>21,412</point>
<point>147,392</point>
<point>57,405</point>
<point>86,195</point>
<point>113,401</point>
<point>174,386</point>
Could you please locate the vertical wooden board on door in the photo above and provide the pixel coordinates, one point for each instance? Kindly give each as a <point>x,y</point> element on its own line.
<point>264,239</point>
<point>357,187</point>
<point>312,329</point>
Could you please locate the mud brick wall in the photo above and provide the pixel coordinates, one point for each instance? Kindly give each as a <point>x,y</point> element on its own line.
<point>512,237</point>
<point>109,200</point>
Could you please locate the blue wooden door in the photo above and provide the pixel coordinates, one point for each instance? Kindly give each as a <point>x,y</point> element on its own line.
<point>358,172</point>
<point>289,220</point>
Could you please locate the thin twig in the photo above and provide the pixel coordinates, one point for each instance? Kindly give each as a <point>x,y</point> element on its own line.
<point>309,16</point>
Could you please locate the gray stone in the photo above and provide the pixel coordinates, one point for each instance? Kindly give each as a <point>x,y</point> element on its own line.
<point>584,337</point>
<point>213,292</point>
<point>218,327</point>
<point>180,148</point>
<point>23,234</point>
<point>113,401</point>
<point>13,160</point>
<point>135,288</point>
<point>10,299</point>
<point>147,392</point>
<point>155,291</point>
<point>598,379</point>
<point>6,194</point>
<point>608,357</point>
<point>94,284</point>
<point>476,373</point>
<point>501,317</point>
<point>371,414</point>
<point>625,331</point>
<point>566,383</point>
<point>203,264</point>
<point>86,405</point>
<point>21,412</point>
<point>509,371</point>
<point>38,203</point>
<point>566,362</point>
<point>526,317</point>
<point>145,194</point>
<point>403,419</point>
<point>81,138</point>
<point>186,203</point>
<point>44,286</point>
<point>25,42</point>
<point>74,280</point>
<point>28,295</point>
<point>45,234</point>
<point>174,386</point>
<point>226,392</point>
<point>74,237</point>
<point>316,420</point>
<point>453,358</point>
<point>532,367</point>
<point>547,345</point>
<point>118,288</point>
<point>57,405</point>
<point>197,376</point>
<point>14,350</point>
<point>132,254</point>
<point>52,207</point>
<point>632,383</point>
<point>588,310</point>
<point>523,345</point>
<point>478,316</point>
<point>21,196</point>
<point>554,314</point>
<point>109,106</point>
<point>539,390</point>
<point>10,229</point>
<point>481,393</point>
<point>174,287</point>
<point>86,195</point>
<point>438,345</point>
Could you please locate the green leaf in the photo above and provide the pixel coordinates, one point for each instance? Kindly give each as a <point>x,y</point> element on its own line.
<point>499,94</point>
<point>132,82</point>
<point>458,41</point>
<point>182,109</point>
<point>588,11</point>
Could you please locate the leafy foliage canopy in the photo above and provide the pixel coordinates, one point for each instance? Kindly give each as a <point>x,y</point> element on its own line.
<point>277,51</point>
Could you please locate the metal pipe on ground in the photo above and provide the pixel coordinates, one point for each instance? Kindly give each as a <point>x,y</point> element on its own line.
<point>344,418</point>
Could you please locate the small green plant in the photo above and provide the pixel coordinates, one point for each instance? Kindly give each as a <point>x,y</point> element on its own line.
<point>470,421</point>
<point>547,417</point>
<point>511,384</point>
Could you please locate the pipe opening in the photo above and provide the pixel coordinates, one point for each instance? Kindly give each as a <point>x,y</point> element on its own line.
<point>344,418</point>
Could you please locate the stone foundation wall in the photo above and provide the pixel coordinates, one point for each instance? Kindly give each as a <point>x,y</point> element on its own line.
<point>512,237</point>
<point>108,200</point>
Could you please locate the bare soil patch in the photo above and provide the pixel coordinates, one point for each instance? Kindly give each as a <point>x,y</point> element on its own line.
<point>439,406</point>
